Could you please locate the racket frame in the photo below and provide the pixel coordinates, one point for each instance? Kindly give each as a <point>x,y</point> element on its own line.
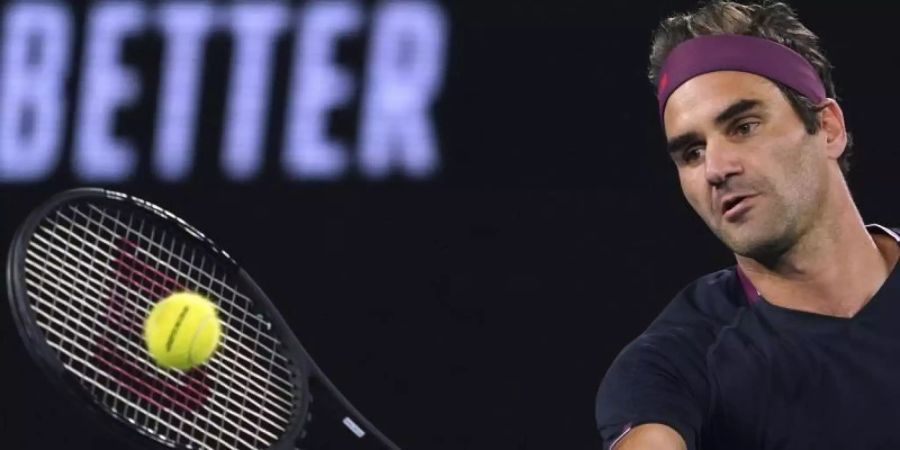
<point>48,361</point>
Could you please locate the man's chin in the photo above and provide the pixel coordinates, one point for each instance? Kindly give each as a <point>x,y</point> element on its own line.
<point>742,239</point>
<point>766,248</point>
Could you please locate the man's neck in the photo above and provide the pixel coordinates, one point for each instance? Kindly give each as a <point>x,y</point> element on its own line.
<point>833,271</point>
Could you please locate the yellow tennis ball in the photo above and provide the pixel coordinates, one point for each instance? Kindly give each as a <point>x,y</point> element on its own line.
<point>182,331</point>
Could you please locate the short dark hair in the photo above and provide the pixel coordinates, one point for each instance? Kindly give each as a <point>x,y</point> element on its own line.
<point>771,20</point>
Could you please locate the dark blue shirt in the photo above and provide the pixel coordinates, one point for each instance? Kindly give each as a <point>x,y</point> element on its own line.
<point>729,373</point>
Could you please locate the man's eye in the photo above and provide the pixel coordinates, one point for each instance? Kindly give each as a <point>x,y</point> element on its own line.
<point>692,154</point>
<point>745,128</point>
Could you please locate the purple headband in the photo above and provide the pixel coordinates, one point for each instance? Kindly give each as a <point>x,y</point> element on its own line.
<point>740,53</point>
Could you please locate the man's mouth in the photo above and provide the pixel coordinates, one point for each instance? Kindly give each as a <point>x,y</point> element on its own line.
<point>730,203</point>
<point>734,206</point>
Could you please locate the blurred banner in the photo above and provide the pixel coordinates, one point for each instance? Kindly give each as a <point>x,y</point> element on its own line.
<point>321,91</point>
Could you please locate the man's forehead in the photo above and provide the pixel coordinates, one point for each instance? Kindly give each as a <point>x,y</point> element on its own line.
<point>705,97</point>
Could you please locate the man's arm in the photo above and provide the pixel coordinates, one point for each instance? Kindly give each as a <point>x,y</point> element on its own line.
<point>662,377</point>
<point>651,436</point>
<point>658,385</point>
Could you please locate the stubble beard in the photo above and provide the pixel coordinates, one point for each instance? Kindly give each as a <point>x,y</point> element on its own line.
<point>775,227</point>
<point>766,243</point>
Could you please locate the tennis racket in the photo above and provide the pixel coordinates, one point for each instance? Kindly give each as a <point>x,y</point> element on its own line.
<point>83,272</point>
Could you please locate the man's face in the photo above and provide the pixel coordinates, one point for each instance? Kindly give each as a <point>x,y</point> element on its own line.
<point>745,161</point>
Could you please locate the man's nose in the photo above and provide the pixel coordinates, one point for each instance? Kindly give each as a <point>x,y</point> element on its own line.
<point>722,160</point>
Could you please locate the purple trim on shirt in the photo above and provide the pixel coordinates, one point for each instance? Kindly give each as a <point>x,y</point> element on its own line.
<point>625,431</point>
<point>749,290</point>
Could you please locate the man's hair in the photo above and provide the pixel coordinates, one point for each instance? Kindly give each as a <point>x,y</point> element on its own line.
<point>770,20</point>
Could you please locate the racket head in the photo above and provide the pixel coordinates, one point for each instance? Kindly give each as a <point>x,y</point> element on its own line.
<point>104,369</point>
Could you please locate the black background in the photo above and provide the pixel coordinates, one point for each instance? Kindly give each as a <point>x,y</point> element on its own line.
<point>481,309</point>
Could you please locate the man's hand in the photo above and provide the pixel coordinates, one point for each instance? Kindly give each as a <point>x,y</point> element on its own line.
<point>651,436</point>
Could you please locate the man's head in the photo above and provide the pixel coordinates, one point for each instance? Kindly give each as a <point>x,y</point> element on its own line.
<point>737,136</point>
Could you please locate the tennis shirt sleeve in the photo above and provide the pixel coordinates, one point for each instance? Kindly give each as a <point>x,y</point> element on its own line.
<point>660,377</point>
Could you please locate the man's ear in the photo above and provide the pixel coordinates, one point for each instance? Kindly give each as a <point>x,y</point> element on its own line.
<point>831,122</point>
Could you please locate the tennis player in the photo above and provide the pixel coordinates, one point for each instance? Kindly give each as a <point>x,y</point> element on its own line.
<point>797,346</point>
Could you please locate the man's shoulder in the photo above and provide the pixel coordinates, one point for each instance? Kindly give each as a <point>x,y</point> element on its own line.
<point>692,321</point>
<point>710,301</point>
<point>662,375</point>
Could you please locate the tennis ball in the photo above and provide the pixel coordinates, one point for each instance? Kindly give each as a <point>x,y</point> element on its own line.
<point>182,331</point>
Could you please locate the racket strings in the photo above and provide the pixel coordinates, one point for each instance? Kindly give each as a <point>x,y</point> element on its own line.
<point>120,377</point>
<point>154,244</point>
<point>197,272</point>
<point>136,318</point>
<point>92,276</point>
<point>129,347</point>
<point>86,360</point>
<point>100,335</point>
